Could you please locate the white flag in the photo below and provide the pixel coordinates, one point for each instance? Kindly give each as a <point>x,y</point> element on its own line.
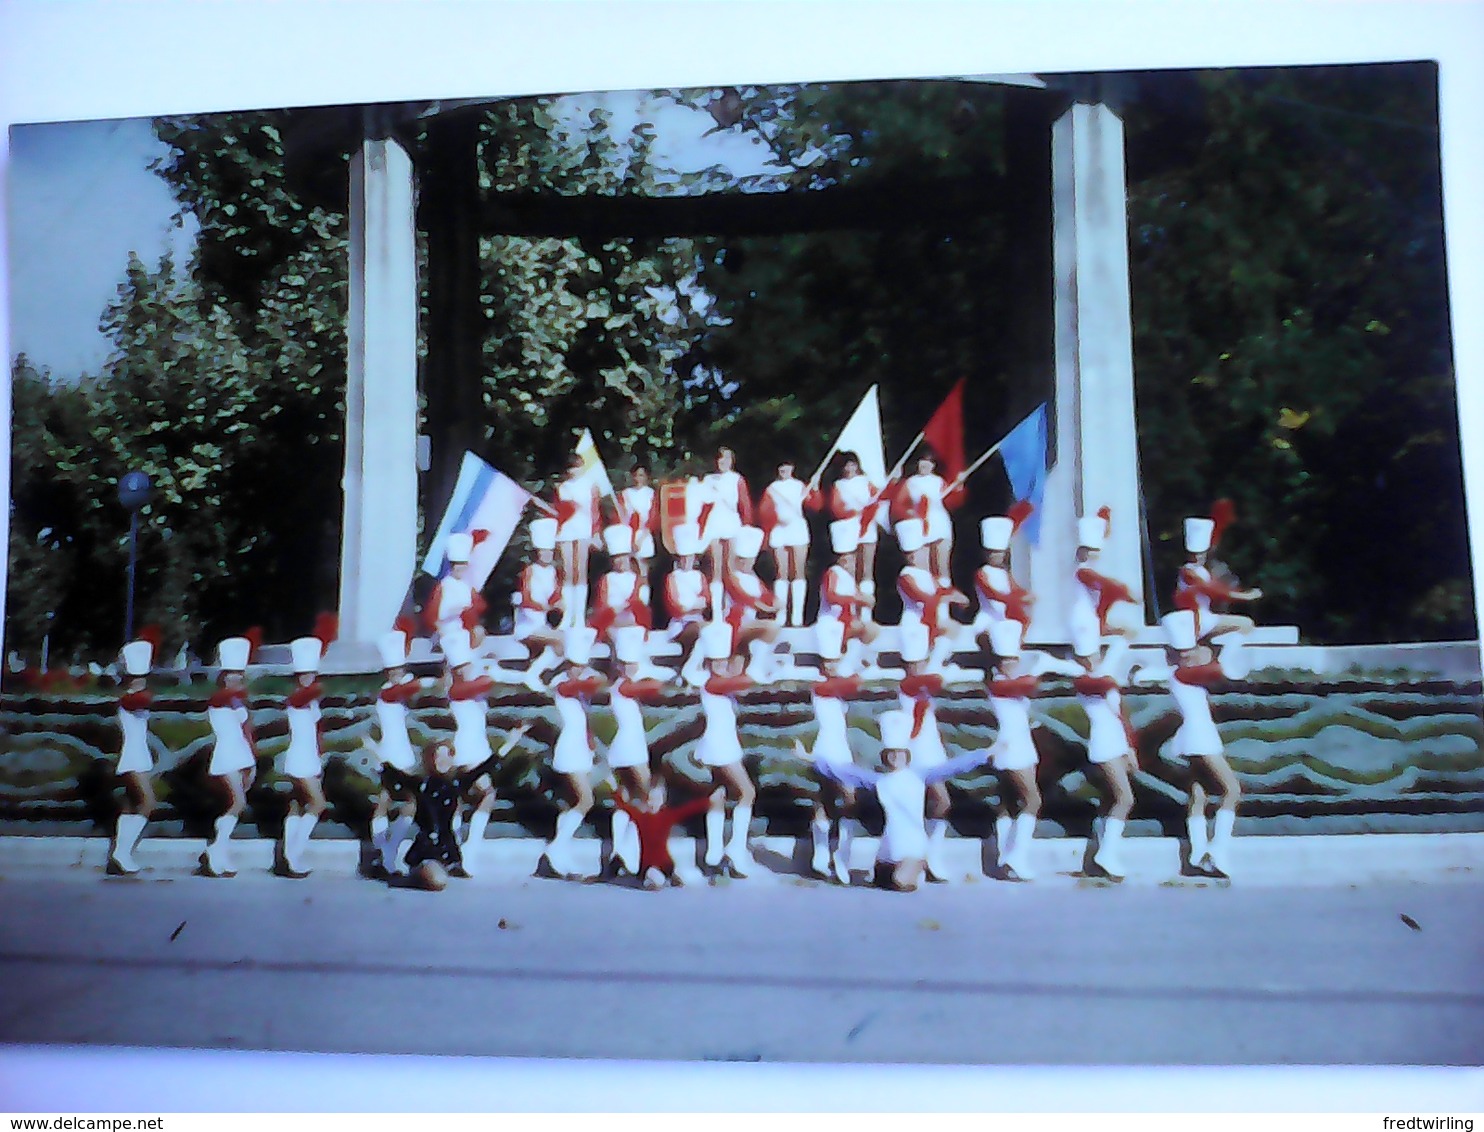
<point>483,500</point>
<point>592,464</point>
<point>862,435</point>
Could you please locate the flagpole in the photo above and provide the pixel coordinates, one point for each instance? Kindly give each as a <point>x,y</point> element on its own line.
<point>962,477</point>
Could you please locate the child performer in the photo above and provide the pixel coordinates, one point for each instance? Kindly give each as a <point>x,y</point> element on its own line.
<point>901,789</point>
<point>687,602</point>
<point>435,854</point>
<point>730,509</point>
<point>1197,589</point>
<point>1110,748</point>
<point>721,752</point>
<point>839,596</point>
<point>618,602</point>
<point>1001,598</point>
<point>925,598</point>
<point>628,754</point>
<point>926,497</point>
<point>233,760</point>
<point>640,507</point>
<point>135,761</point>
<point>572,757</point>
<point>915,697</point>
<point>578,521</point>
<point>468,702</point>
<point>303,763</point>
<point>454,605</point>
<point>1198,744</point>
<point>836,802</point>
<point>747,601</point>
<point>540,596</point>
<point>394,749</point>
<point>788,535</point>
<point>855,497</point>
<point>1095,595</point>
<point>1013,753</point>
<point>651,824</point>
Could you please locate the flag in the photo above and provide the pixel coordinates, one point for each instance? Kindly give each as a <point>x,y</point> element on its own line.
<point>945,433</point>
<point>592,465</point>
<point>862,435</point>
<point>1024,453</point>
<point>483,500</point>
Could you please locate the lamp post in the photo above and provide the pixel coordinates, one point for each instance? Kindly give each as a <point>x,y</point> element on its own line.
<point>134,493</point>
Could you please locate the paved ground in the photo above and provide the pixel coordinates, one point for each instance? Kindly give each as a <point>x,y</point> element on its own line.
<point>980,973</point>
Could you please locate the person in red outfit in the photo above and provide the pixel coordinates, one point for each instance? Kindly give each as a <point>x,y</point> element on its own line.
<point>1198,591</point>
<point>135,761</point>
<point>653,822</point>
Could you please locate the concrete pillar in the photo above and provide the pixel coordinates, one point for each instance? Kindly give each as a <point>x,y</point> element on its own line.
<point>1094,440</point>
<point>379,549</point>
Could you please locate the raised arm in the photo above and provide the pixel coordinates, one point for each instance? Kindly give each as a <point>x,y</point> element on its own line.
<point>944,771</point>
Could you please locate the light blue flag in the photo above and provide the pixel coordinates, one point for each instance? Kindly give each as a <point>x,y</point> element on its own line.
<point>1024,453</point>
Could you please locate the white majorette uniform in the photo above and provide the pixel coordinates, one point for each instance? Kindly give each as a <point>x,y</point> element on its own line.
<point>1000,597</point>
<point>719,745</point>
<point>539,584</point>
<point>783,514</point>
<point>577,509</point>
<point>839,596</point>
<point>849,498</point>
<point>573,753</point>
<point>1195,588</point>
<point>303,759</point>
<point>916,699</point>
<point>1093,594</point>
<point>395,746</point>
<point>1190,689</point>
<point>618,601</point>
<point>1107,736</point>
<point>641,506</point>
<point>133,713</point>
<point>466,702</point>
<point>730,504</point>
<point>745,593</point>
<point>830,700</point>
<point>630,746</point>
<point>922,597</point>
<point>227,714</point>
<point>454,605</point>
<point>686,596</point>
<point>922,498</point>
<point>1010,700</point>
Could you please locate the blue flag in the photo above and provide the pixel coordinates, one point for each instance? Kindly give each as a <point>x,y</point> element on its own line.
<point>1024,454</point>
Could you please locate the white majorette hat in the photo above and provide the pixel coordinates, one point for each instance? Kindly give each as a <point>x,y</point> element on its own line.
<point>995,532</point>
<point>618,540</point>
<point>1085,640</point>
<point>845,535</point>
<point>306,653</point>
<point>1198,535</point>
<point>914,641</point>
<point>896,731</point>
<point>1004,638</point>
<point>456,648</point>
<point>716,641</point>
<point>543,534</point>
<point>460,546</point>
<point>393,648</point>
<point>910,535</point>
<point>628,643</point>
<point>749,542</point>
<point>687,539</point>
<point>232,654</point>
<point>1090,532</point>
<point>577,644</point>
<point>138,655</point>
<point>829,638</point>
<point>1180,628</point>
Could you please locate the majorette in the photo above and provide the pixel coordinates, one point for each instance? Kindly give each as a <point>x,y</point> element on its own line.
<point>787,530</point>
<point>233,760</point>
<point>579,518</point>
<point>135,761</point>
<point>628,754</point>
<point>1014,752</point>
<point>725,510</point>
<point>454,604</point>
<point>926,599</point>
<point>830,699</point>
<point>928,499</point>
<point>839,596</point>
<point>687,602</point>
<point>1196,589</point>
<point>393,748</point>
<point>855,497</point>
<point>1095,596</point>
<point>618,602</point>
<point>915,697</point>
<point>1000,596</point>
<point>1111,748</point>
<point>303,761</point>
<point>467,702</point>
<point>720,750</point>
<point>540,596</point>
<point>640,506</point>
<point>572,757</point>
<point>749,610</point>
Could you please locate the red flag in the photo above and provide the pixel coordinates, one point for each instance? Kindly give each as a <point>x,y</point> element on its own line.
<point>945,433</point>
<point>1223,514</point>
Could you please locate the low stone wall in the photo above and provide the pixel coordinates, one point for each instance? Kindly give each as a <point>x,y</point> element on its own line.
<point>1341,757</point>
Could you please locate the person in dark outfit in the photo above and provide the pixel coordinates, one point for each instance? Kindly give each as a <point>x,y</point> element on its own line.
<point>436,795</point>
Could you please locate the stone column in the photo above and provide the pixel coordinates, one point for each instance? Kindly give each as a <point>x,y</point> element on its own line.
<point>1094,441</point>
<point>379,548</point>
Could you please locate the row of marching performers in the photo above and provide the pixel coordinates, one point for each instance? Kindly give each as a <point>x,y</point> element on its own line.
<point>1100,604</point>
<point>449,785</point>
